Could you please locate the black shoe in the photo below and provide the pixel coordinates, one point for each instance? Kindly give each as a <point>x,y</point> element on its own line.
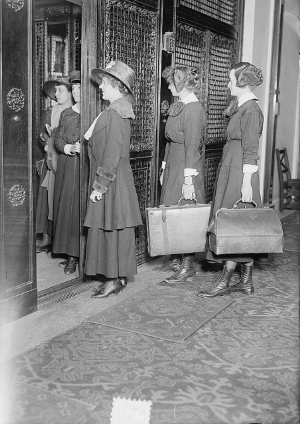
<point>111,286</point>
<point>71,264</point>
<point>123,281</point>
<point>43,248</point>
<point>185,271</point>
<point>222,287</point>
<point>245,285</point>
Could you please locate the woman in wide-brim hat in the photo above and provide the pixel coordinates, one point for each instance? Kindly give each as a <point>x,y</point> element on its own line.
<point>59,90</point>
<point>66,205</point>
<point>113,209</point>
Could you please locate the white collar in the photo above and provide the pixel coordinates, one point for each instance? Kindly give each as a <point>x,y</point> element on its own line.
<point>245,97</point>
<point>75,108</point>
<point>190,98</point>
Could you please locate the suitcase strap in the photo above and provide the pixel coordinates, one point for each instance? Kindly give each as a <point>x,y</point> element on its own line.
<point>165,229</point>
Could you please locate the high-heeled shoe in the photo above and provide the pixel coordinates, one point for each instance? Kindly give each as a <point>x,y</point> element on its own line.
<point>111,286</point>
<point>43,248</point>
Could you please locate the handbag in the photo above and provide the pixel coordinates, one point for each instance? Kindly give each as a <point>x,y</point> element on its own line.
<point>245,230</point>
<point>177,229</point>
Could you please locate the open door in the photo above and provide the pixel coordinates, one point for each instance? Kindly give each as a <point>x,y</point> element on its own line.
<point>18,293</point>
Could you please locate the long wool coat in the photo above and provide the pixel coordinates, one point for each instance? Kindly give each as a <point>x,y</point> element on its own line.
<point>110,171</point>
<point>185,149</point>
<point>243,133</point>
<point>66,212</point>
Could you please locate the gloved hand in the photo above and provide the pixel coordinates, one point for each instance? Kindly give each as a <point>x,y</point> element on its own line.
<point>69,150</point>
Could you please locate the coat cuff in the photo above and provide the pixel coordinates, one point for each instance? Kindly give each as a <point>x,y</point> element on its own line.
<point>249,169</point>
<point>99,187</point>
<point>105,174</point>
<point>190,172</point>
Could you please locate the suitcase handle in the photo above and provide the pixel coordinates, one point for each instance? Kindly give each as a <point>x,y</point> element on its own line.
<point>182,198</point>
<point>163,209</point>
<point>238,201</point>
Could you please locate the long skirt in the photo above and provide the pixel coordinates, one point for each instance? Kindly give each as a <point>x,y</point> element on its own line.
<point>111,253</point>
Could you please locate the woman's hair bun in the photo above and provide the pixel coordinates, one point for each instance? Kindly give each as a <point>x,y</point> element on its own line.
<point>247,74</point>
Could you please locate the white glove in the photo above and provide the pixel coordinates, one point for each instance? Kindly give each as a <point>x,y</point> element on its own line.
<point>69,150</point>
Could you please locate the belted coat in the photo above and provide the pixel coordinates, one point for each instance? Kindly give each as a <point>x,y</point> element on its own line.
<point>110,171</point>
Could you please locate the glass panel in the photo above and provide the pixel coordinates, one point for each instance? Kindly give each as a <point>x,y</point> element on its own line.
<point>58,48</point>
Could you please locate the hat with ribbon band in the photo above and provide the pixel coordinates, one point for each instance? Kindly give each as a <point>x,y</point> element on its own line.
<point>119,70</point>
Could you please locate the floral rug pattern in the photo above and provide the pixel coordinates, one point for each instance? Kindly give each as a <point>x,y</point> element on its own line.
<point>241,367</point>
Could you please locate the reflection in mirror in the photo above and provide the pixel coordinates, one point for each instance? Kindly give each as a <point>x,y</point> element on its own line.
<point>57,53</point>
<point>58,46</point>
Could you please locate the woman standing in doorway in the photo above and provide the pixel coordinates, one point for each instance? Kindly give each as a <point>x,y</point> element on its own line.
<point>60,91</point>
<point>113,209</point>
<point>66,208</point>
<point>238,171</point>
<point>183,166</point>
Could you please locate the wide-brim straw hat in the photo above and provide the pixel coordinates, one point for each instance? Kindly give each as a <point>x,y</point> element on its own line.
<point>49,86</point>
<point>119,70</point>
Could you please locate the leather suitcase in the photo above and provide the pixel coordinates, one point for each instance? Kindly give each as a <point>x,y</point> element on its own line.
<point>177,229</point>
<point>247,230</point>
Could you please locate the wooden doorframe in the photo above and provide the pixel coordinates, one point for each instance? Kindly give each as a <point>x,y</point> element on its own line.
<point>18,288</point>
<point>89,100</point>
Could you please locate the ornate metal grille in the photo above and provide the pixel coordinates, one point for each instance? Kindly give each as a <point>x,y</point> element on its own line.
<point>40,49</point>
<point>131,36</point>
<point>222,10</point>
<point>76,46</point>
<point>221,58</point>
<point>141,168</point>
<point>191,50</point>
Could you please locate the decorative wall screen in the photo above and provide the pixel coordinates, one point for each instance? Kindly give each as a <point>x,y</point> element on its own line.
<point>131,36</point>
<point>222,10</point>
<point>214,54</point>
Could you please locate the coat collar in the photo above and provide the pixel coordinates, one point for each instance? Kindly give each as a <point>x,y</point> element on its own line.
<point>122,107</point>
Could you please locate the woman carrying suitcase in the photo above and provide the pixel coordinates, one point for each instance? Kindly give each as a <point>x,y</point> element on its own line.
<point>238,171</point>
<point>183,166</point>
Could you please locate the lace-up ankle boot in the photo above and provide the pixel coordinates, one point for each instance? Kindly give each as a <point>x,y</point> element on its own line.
<point>245,285</point>
<point>175,262</point>
<point>185,271</point>
<point>222,287</point>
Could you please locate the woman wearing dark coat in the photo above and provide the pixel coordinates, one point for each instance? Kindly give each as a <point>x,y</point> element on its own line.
<point>238,171</point>
<point>113,209</point>
<point>66,207</point>
<point>60,91</point>
<point>183,166</point>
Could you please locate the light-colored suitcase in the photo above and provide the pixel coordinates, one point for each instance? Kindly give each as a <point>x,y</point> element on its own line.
<point>177,229</point>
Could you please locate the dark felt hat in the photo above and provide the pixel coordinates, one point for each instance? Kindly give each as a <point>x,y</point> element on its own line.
<point>49,86</point>
<point>119,70</point>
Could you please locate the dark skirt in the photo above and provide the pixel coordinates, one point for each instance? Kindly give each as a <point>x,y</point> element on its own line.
<point>111,253</point>
<point>43,224</point>
<point>66,206</point>
<point>174,177</point>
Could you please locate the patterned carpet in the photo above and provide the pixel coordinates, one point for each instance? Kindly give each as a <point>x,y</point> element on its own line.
<point>171,315</point>
<point>241,367</point>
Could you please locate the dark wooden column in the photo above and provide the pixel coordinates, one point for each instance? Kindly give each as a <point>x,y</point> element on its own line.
<point>167,50</point>
<point>18,293</point>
